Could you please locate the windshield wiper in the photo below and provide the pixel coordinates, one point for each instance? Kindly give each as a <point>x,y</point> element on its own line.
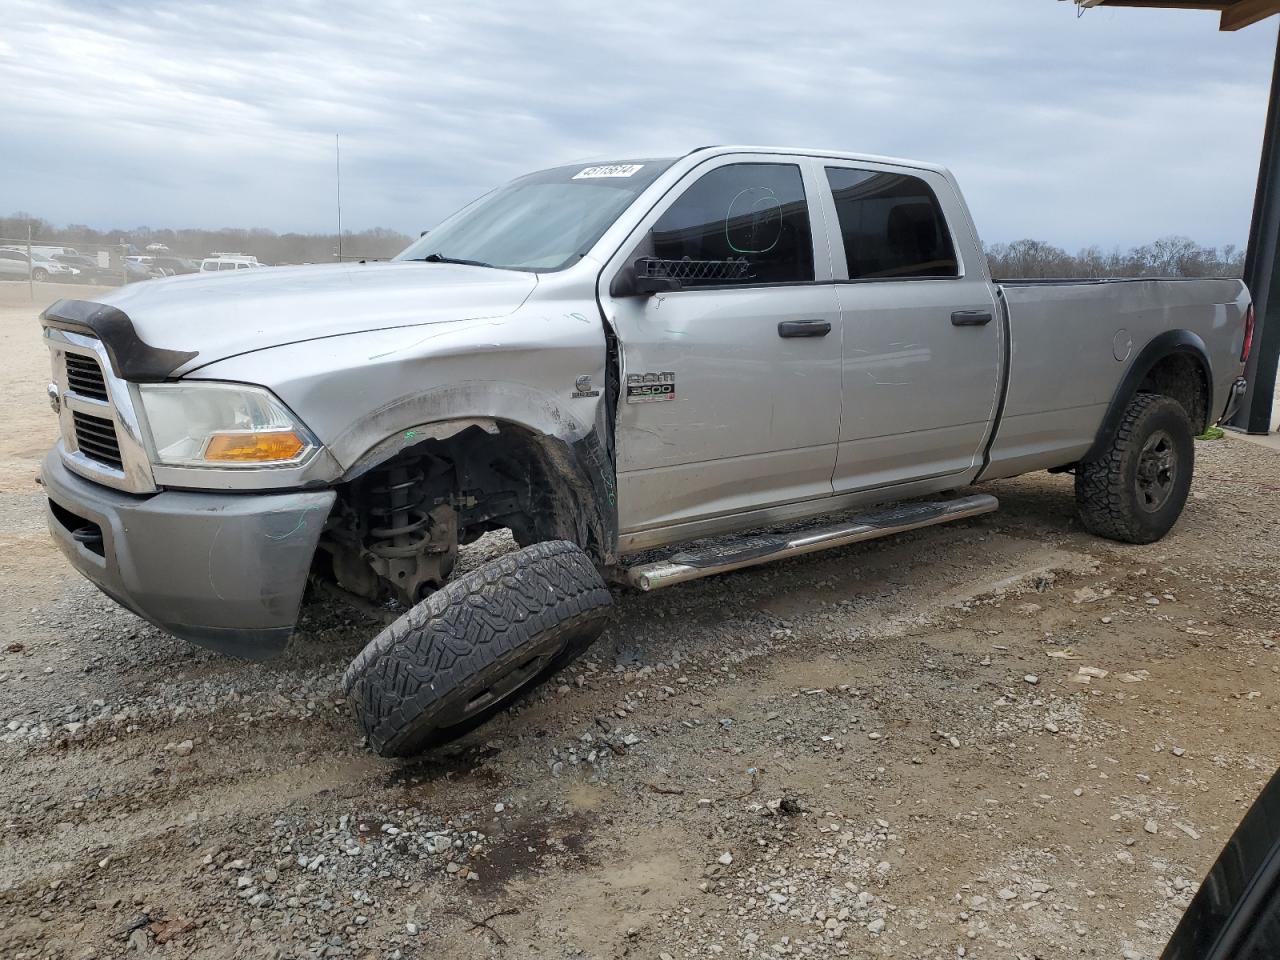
<point>441,258</point>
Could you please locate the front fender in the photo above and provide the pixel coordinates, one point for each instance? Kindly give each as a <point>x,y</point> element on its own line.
<point>443,411</point>
<point>367,395</point>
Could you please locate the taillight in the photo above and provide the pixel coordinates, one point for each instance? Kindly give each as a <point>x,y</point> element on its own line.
<point>1249,321</point>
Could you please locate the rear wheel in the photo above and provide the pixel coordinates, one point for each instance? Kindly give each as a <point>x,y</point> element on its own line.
<point>472,648</point>
<point>39,274</point>
<point>1135,491</point>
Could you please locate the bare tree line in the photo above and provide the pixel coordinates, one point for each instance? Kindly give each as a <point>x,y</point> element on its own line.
<point>267,245</point>
<point>1166,257</point>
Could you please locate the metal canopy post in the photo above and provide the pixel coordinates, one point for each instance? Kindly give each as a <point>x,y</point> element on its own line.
<point>1262,273</point>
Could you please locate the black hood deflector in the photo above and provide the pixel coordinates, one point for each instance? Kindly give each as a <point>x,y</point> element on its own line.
<point>131,357</point>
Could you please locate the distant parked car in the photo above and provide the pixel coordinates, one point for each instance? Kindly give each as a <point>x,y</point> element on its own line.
<point>220,264</point>
<point>14,266</point>
<point>90,270</point>
<point>175,265</point>
<point>135,271</point>
<point>161,266</point>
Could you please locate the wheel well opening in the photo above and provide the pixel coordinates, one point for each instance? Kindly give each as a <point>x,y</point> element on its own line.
<point>1181,377</point>
<point>397,524</point>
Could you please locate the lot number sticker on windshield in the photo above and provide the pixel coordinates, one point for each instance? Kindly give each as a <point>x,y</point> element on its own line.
<point>608,170</point>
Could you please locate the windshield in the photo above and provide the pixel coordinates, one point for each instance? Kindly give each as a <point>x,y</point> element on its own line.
<point>543,222</point>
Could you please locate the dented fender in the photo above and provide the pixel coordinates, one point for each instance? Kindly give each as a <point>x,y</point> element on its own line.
<point>369,395</point>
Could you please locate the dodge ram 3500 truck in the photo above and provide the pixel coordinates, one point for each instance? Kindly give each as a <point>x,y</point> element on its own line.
<point>636,367</point>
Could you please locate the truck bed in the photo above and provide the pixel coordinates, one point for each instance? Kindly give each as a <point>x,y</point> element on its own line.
<point>1070,342</point>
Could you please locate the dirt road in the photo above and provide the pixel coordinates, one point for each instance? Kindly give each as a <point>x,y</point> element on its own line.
<point>885,751</point>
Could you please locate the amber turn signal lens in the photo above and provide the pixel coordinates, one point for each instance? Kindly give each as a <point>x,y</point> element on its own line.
<point>275,446</point>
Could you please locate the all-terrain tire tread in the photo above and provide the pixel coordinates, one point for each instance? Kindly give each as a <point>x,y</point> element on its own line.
<point>1104,500</point>
<point>468,625</point>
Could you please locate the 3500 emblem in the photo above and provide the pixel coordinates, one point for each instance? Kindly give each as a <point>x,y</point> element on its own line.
<point>650,387</point>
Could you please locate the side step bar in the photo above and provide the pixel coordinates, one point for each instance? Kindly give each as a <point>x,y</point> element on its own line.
<point>690,564</point>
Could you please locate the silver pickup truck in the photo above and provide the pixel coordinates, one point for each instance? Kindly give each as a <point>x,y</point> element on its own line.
<point>638,368</point>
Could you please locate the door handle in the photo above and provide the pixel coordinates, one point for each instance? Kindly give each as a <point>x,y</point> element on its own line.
<point>971,318</point>
<point>803,328</point>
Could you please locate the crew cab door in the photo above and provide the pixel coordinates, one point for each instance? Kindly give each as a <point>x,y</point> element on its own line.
<point>730,392</point>
<point>922,354</point>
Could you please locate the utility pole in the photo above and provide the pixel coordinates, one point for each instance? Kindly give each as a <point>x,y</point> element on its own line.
<point>337,159</point>
<point>31,270</point>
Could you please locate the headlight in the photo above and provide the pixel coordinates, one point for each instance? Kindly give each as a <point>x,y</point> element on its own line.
<point>206,424</point>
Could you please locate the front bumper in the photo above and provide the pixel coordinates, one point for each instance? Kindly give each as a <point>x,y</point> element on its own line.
<point>222,570</point>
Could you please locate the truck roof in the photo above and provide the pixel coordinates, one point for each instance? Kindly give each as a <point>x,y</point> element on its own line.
<point>715,150</point>
<point>818,152</point>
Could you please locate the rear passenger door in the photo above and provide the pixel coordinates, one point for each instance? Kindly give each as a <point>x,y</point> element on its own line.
<point>730,385</point>
<point>922,347</point>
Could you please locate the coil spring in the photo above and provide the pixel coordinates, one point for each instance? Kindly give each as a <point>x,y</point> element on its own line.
<point>400,526</point>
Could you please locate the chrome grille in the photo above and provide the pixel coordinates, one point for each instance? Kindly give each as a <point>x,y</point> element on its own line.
<point>84,376</point>
<point>96,439</point>
<point>101,435</point>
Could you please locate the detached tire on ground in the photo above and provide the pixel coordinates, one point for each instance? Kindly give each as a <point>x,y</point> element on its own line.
<point>1135,491</point>
<point>471,648</point>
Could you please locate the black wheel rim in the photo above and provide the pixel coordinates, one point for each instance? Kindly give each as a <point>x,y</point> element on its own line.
<point>1157,471</point>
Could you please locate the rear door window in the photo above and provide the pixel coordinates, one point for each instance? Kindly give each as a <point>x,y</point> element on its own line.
<point>892,226</point>
<point>743,223</point>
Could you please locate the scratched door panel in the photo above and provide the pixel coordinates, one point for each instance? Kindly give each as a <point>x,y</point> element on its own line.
<point>754,418</point>
<point>919,393</point>
<point>730,394</point>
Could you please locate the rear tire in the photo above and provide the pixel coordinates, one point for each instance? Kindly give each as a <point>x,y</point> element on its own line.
<point>1135,491</point>
<point>472,648</point>
<point>39,274</point>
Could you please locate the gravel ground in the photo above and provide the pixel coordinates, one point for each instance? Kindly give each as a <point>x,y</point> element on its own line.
<point>1000,738</point>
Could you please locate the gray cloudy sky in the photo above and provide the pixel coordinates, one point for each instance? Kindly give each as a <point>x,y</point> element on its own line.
<point>1114,128</point>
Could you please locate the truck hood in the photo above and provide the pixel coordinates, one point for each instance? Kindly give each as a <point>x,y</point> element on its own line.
<point>223,315</point>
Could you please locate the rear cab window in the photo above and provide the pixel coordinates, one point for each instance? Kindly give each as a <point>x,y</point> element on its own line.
<point>891,225</point>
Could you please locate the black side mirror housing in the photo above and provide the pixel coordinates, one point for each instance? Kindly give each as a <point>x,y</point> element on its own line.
<point>648,286</point>
<point>643,278</point>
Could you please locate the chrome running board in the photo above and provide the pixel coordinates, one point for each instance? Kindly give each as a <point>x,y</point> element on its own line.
<point>733,554</point>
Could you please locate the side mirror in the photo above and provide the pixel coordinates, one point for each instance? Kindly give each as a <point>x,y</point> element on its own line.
<point>643,278</point>
<point>648,286</point>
